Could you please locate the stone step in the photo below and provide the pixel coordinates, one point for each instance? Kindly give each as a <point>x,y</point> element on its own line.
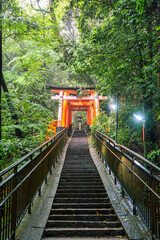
<point>73,152</point>
<point>84,217</point>
<point>81,195</point>
<point>81,189</point>
<point>79,166</point>
<point>87,232</point>
<point>79,183</point>
<point>80,178</point>
<point>82,186</point>
<point>65,185</point>
<point>75,190</point>
<point>90,164</point>
<point>81,200</point>
<point>78,158</point>
<point>71,168</point>
<point>82,224</point>
<point>79,173</point>
<point>81,205</point>
<point>82,211</point>
<point>79,161</point>
<point>70,180</point>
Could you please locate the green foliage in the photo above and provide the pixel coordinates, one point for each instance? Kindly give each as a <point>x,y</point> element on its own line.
<point>34,114</point>
<point>116,47</point>
<point>154,156</point>
<point>14,148</point>
<point>129,132</point>
<point>26,60</point>
<point>103,124</point>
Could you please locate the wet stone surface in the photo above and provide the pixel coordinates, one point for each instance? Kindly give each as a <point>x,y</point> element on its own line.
<point>134,227</point>
<point>74,213</point>
<point>32,226</point>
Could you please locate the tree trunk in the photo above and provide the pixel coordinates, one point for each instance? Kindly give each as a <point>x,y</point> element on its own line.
<point>59,38</point>
<point>14,116</point>
<point>158,122</point>
<point>158,33</point>
<point>54,22</point>
<point>0,71</point>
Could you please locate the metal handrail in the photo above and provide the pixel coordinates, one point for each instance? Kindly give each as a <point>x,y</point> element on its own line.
<point>140,183</point>
<point>14,165</point>
<point>19,185</point>
<point>131,171</point>
<point>18,190</point>
<point>131,152</point>
<point>106,137</point>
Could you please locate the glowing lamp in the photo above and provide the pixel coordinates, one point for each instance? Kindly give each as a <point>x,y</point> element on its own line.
<point>138,117</point>
<point>113,106</point>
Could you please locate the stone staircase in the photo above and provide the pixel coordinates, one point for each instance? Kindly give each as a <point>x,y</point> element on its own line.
<point>81,207</point>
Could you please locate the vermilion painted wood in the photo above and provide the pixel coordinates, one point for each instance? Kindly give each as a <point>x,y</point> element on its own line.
<point>74,99</point>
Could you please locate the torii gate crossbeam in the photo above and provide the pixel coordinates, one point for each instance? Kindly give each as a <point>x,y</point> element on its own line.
<point>75,99</point>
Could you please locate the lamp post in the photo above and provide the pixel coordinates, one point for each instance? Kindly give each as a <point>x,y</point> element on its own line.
<point>144,138</point>
<point>117,103</point>
<point>115,107</point>
<point>140,118</point>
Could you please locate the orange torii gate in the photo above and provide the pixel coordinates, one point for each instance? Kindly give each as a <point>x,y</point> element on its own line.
<point>75,99</point>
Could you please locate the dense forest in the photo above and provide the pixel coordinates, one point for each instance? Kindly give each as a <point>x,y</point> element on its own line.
<point>113,45</point>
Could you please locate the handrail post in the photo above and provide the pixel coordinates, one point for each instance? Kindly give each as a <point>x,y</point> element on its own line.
<point>140,182</point>
<point>133,186</point>
<point>122,192</point>
<point>39,192</point>
<point>115,180</point>
<point>46,180</point>
<point>134,209</point>
<point>38,162</point>
<point>30,209</point>
<point>14,205</point>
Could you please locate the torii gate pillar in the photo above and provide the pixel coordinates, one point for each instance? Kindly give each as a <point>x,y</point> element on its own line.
<point>76,99</point>
<point>60,111</point>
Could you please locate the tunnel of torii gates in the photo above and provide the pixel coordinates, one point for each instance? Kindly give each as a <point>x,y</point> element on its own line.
<point>76,99</point>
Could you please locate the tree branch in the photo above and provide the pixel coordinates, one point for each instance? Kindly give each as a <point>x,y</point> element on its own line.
<point>38,10</point>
